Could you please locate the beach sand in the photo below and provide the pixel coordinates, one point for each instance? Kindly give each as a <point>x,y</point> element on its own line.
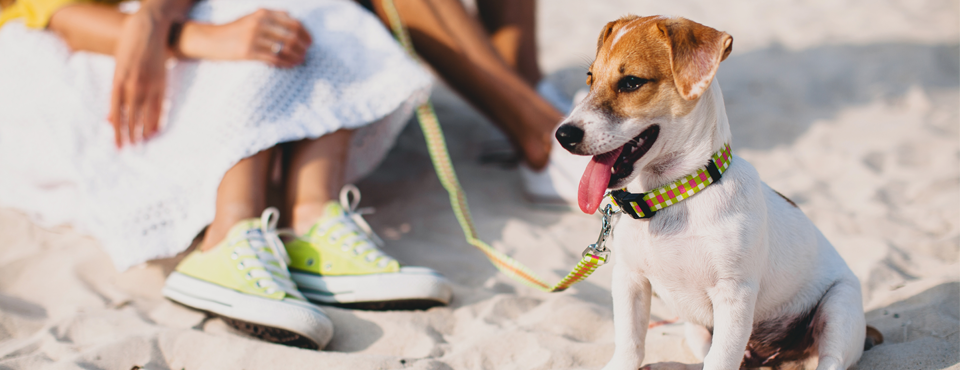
<point>848,108</point>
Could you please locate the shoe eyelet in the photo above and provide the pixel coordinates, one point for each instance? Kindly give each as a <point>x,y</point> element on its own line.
<point>382,264</point>
<point>241,266</point>
<point>258,284</point>
<point>331,239</point>
<point>270,290</point>
<point>234,256</point>
<point>249,277</point>
<point>344,247</point>
<point>310,261</point>
<point>328,267</point>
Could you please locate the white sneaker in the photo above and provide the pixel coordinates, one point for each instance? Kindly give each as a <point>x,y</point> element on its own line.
<point>552,94</point>
<point>338,262</point>
<point>245,281</point>
<point>559,99</point>
<point>557,183</point>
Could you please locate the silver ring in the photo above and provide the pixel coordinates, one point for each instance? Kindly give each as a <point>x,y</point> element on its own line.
<point>276,48</point>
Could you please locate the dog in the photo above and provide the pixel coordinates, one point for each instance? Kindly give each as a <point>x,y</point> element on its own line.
<point>755,281</point>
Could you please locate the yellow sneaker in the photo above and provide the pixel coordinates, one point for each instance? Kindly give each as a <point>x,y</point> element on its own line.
<point>338,262</point>
<point>245,280</point>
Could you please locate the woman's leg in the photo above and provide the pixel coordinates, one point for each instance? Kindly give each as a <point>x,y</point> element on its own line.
<point>512,27</point>
<point>457,47</point>
<point>352,270</point>
<point>242,273</point>
<point>241,195</point>
<point>315,177</point>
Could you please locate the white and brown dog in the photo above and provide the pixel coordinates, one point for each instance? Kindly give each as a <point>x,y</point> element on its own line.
<point>757,284</point>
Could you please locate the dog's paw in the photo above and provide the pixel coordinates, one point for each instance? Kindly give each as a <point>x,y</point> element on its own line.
<point>672,366</point>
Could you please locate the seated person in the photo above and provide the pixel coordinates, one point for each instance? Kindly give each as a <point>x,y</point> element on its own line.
<point>198,140</point>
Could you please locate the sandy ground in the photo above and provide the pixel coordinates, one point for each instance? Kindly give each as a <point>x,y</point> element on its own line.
<point>849,108</point>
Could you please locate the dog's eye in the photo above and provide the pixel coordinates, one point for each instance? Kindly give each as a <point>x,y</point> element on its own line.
<point>631,83</point>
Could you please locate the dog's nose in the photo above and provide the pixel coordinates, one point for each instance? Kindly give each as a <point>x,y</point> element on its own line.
<point>569,136</point>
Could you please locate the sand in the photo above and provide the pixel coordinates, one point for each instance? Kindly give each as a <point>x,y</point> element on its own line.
<point>849,108</point>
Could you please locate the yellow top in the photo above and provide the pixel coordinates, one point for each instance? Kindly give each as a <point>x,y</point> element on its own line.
<point>35,13</point>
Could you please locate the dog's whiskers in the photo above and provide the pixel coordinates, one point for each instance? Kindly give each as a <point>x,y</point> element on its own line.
<point>631,140</point>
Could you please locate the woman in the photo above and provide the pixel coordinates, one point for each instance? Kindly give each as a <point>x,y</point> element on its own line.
<point>191,144</point>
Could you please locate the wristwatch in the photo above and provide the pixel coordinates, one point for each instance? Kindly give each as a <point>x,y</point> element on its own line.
<point>173,37</point>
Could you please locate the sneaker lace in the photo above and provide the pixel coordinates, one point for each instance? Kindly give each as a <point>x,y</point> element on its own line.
<point>267,257</point>
<point>355,232</point>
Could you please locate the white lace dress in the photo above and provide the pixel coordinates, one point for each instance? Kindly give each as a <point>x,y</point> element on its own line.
<point>58,163</point>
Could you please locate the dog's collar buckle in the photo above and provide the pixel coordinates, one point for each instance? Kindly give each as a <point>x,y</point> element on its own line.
<point>599,248</point>
<point>632,204</point>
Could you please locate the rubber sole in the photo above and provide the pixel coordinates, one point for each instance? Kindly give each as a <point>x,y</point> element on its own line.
<point>398,305</point>
<point>271,334</point>
<point>413,288</point>
<point>288,321</point>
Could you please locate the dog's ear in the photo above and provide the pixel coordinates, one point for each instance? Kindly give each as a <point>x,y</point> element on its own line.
<point>612,26</point>
<point>696,53</point>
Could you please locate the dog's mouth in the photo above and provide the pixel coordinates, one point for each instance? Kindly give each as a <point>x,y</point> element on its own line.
<point>607,169</point>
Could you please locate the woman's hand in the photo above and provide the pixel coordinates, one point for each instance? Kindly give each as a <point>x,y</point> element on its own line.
<point>139,78</point>
<point>141,51</point>
<point>271,36</point>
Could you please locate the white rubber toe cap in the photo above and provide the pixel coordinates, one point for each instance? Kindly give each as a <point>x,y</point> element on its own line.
<point>289,314</point>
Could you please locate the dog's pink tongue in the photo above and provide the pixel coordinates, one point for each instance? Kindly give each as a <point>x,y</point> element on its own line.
<point>595,180</point>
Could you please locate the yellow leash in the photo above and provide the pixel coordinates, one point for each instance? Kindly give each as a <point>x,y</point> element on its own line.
<point>593,257</point>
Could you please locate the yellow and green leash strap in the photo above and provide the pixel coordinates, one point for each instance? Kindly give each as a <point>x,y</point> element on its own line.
<point>458,200</point>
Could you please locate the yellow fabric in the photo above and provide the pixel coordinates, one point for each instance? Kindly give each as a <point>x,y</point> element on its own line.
<point>36,13</point>
<point>333,251</point>
<point>221,265</point>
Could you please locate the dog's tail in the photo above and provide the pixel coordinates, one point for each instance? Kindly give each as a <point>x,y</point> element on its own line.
<point>874,337</point>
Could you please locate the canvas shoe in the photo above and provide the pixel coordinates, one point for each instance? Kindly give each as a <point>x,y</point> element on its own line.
<point>245,281</point>
<point>338,262</point>
<point>557,183</point>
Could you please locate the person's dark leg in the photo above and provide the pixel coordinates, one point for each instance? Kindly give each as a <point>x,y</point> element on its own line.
<point>457,47</point>
<point>512,27</point>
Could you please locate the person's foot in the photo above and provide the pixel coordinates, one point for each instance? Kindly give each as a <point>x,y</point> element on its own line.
<point>556,182</point>
<point>245,281</point>
<point>337,262</point>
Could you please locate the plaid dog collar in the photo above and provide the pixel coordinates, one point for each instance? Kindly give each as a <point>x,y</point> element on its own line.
<point>645,205</point>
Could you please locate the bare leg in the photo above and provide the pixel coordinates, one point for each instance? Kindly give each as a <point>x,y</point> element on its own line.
<point>631,315</point>
<point>734,302</point>
<point>316,176</point>
<point>698,339</point>
<point>241,195</point>
<point>844,327</point>
<point>512,27</point>
<point>457,47</point>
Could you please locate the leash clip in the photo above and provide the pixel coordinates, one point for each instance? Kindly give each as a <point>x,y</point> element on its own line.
<point>599,248</point>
